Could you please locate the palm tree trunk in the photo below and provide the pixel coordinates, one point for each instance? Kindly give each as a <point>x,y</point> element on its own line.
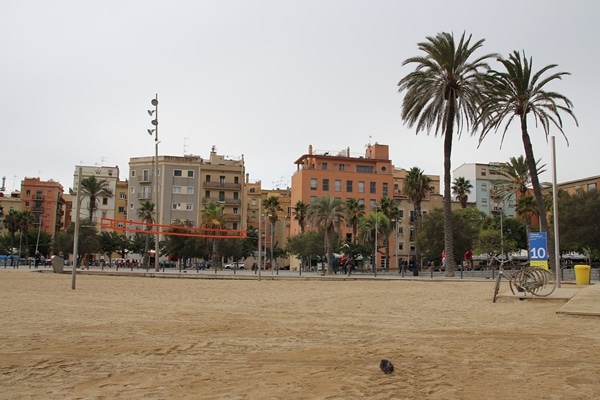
<point>537,190</point>
<point>448,239</point>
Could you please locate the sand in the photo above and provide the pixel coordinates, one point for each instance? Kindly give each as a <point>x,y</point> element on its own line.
<point>151,338</point>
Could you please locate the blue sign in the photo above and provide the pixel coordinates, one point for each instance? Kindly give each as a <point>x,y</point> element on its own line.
<point>538,249</point>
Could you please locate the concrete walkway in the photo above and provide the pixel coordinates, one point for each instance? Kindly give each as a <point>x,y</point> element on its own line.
<point>586,301</point>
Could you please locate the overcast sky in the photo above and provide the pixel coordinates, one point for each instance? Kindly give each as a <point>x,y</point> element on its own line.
<point>265,79</point>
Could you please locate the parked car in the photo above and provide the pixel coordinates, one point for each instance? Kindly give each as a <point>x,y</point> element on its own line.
<point>167,264</point>
<point>234,265</point>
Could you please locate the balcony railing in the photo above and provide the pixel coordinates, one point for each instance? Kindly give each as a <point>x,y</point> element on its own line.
<point>232,217</point>
<point>37,209</point>
<point>228,202</point>
<point>222,185</point>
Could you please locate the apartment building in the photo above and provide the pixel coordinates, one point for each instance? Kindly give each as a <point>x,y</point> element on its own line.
<point>105,205</point>
<point>44,200</point>
<point>186,184</point>
<point>485,178</point>
<point>585,184</point>
<point>8,202</point>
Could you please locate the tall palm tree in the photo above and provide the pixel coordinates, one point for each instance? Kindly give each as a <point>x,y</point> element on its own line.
<point>272,207</point>
<point>526,209</point>
<point>212,218</point>
<point>392,212</point>
<point>327,213</point>
<point>94,188</point>
<point>517,173</point>
<point>299,213</point>
<point>442,91</point>
<point>515,93</point>
<point>367,226</point>
<point>353,210</point>
<point>146,214</point>
<point>461,189</point>
<point>416,187</point>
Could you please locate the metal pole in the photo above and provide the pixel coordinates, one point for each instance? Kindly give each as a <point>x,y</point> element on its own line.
<point>375,255</point>
<point>396,245</point>
<point>259,234</point>
<point>76,233</point>
<point>555,214</point>
<point>156,190</point>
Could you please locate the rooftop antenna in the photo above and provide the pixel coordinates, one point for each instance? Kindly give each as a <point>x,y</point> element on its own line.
<point>185,139</point>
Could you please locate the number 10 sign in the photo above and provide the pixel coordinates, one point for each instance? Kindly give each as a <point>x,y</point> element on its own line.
<point>538,249</point>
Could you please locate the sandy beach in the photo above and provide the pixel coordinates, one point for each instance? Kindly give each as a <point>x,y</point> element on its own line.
<point>151,338</point>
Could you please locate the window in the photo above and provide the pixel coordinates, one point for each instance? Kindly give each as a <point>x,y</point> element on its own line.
<point>131,205</point>
<point>235,226</point>
<point>385,189</point>
<point>28,192</point>
<point>236,179</point>
<point>122,196</point>
<point>190,174</point>
<point>325,184</point>
<point>484,202</point>
<point>189,190</point>
<point>222,180</point>
<point>484,187</point>
<point>236,195</point>
<point>483,172</point>
<point>189,206</point>
<point>207,178</point>
<point>324,165</point>
<point>121,210</point>
<point>313,183</point>
<point>104,201</point>
<point>338,185</point>
<point>252,190</point>
<point>133,189</point>
<point>591,186</point>
<point>235,211</point>
<point>177,189</point>
<point>221,196</point>
<point>176,206</point>
<point>145,192</point>
<point>361,186</point>
<point>349,186</point>
<point>364,169</point>
<point>207,193</point>
<point>177,172</point>
<point>146,175</point>
<point>133,173</point>
<point>342,167</point>
<point>373,187</point>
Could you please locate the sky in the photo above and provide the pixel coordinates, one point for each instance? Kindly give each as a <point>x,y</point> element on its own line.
<point>264,79</point>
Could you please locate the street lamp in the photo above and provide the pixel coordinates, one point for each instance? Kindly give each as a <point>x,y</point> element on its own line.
<point>154,122</point>
<point>375,254</point>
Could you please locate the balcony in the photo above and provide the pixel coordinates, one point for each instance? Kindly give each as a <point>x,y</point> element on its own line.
<point>37,197</point>
<point>222,185</point>
<point>228,202</point>
<point>144,196</point>
<point>37,209</point>
<point>232,217</point>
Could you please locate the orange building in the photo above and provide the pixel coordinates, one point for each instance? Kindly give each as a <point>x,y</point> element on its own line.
<point>366,178</point>
<point>44,199</point>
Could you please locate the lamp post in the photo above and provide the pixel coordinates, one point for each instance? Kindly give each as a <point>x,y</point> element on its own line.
<point>375,254</point>
<point>395,220</point>
<point>259,235</point>
<point>154,112</point>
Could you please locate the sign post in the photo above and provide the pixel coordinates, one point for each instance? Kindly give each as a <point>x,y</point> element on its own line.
<point>538,249</point>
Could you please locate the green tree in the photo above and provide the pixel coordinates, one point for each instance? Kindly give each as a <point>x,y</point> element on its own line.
<point>327,213</point>
<point>146,213</point>
<point>299,213</point>
<point>416,187</point>
<point>443,91</point>
<point>461,189</point>
<point>579,221</point>
<point>94,188</point>
<point>213,218</point>
<point>353,211</point>
<point>515,93</point>
<point>272,208</point>
<point>392,212</point>
<point>372,228</point>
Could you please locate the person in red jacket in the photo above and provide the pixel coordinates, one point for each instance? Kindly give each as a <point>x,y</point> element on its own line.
<point>469,258</point>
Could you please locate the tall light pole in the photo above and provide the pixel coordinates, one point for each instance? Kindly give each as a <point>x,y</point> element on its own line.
<point>259,234</point>
<point>396,242</point>
<point>375,254</point>
<point>154,112</point>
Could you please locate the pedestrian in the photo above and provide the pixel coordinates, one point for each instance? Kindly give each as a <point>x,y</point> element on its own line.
<point>469,258</point>
<point>443,259</point>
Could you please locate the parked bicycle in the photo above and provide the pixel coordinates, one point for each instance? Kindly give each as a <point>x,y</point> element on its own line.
<point>535,280</point>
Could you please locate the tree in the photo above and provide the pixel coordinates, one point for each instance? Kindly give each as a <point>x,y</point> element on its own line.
<point>327,213</point>
<point>442,91</point>
<point>146,213</point>
<point>212,218</point>
<point>272,208</point>
<point>392,212</point>
<point>516,93</point>
<point>417,186</point>
<point>94,188</point>
<point>579,221</point>
<point>517,173</point>
<point>372,228</point>
<point>353,211</point>
<point>461,189</point>
<point>113,242</point>
<point>299,213</point>
<point>526,209</point>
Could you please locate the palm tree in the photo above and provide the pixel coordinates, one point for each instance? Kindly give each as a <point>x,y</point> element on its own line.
<point>526,209</point>
<point>94,188</point>
<point>353,210</point>
<point>326,213</point>
<point>516,93</point>
<point>517,172</point>
<point>146,214</point>
<point>272,207</point>
<point>444,89</point>
<point>212,218</point>
<point>368,225</point>
<point>392,212</point>
<point>461,189</point>
<point>299,212</point>
<point>416,187</point>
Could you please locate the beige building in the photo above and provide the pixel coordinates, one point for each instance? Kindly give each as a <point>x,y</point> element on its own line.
<point>105,205</point>
<point>186,184</point>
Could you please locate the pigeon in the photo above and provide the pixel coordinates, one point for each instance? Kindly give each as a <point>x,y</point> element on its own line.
<point>386,366</point>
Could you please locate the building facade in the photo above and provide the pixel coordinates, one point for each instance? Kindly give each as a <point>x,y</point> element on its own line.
<point>44,200</point>
<point>105,205</point>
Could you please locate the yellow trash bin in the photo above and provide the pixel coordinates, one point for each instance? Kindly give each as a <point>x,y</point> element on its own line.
<point>582,274</point>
